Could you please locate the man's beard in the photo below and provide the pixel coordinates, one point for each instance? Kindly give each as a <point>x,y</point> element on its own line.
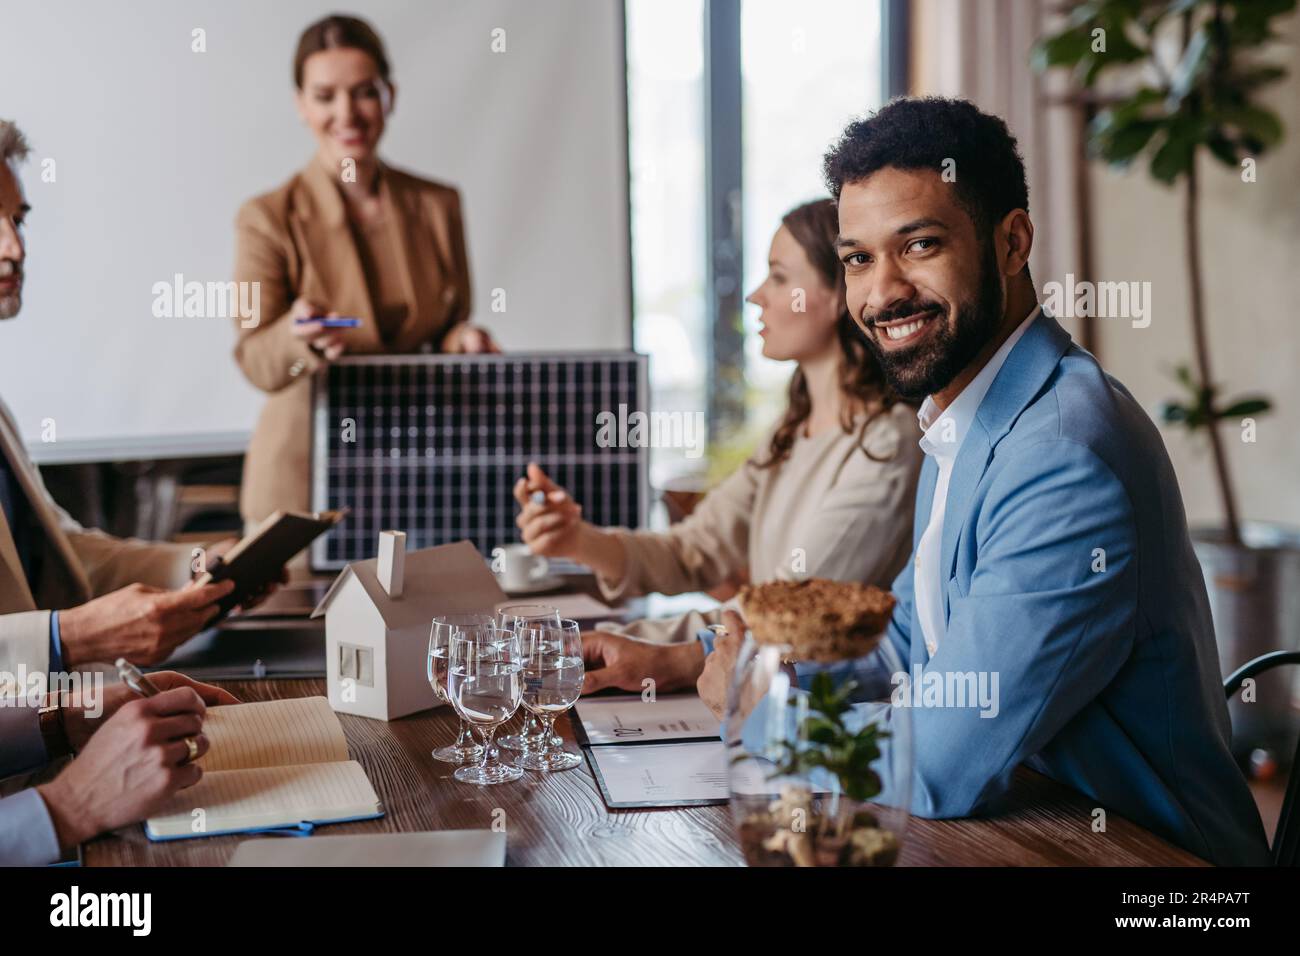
<point>932,364</point>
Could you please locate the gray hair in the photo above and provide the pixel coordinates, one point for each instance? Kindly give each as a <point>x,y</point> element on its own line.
<point>13,144</point>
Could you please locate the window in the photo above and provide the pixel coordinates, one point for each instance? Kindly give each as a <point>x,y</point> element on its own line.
<point>802,72</point>
<point>808,68</point>
<point>665,77</point>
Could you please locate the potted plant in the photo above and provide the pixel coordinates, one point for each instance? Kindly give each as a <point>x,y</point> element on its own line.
<point>803,781</point>
<point>1171,80</point>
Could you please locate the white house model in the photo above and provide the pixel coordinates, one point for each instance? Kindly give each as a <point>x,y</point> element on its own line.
<point>378,614</point>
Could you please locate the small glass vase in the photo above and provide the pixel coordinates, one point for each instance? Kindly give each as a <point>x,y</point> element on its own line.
<point>789,808</point>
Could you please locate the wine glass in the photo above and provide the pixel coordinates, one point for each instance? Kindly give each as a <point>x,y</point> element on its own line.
<point>510,617</point>
<point>485,683</point>
<point>552,662</point>
<point>464,750</point>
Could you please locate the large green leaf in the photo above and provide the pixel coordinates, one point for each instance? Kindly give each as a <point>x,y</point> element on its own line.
<point>1176,155</point>
<point>1256,122</point>
<point>1254,77</point>
<point>1124,142</point>
<point>1222,148</point>
<point>819,730</point>
<point>1138,106</point>
<point>1063,49</point>
<point>1246,406</point>
<point>1251,19</point>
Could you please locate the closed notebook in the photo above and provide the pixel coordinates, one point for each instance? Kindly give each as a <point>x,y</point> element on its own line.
<point>258,559</point>
<point>271,765</point>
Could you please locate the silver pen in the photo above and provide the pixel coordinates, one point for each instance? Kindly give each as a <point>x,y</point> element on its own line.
<point>135,679</point>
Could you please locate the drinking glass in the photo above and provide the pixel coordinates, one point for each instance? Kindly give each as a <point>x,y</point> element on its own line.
<point>485,683</point>
<point>464,750</point>
<point>510,617</point>
<point>552,663</point>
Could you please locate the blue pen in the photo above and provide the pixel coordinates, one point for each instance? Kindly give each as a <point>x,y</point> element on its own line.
<point>332,322</point>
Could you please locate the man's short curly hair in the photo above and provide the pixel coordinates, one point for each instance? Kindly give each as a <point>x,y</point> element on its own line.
<point>923,132</point>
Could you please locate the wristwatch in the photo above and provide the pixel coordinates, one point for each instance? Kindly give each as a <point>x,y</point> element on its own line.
<point>53,732</point>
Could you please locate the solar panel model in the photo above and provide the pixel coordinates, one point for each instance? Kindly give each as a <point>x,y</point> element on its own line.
<point>433,444</point>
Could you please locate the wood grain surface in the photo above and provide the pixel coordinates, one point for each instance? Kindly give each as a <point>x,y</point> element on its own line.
<point>560,820</point>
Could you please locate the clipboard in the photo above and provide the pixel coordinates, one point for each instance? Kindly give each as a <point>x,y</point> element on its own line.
<point>583,739</point>
<point>700,748</point>
<point>628,746</point>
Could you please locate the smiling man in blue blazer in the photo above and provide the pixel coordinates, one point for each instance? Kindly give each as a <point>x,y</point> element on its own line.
<point>1050,548</point>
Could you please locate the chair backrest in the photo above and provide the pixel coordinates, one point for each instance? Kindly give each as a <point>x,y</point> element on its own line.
<point>1286,842</point>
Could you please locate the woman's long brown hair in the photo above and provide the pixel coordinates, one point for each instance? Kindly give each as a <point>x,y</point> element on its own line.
<point>815,226</point>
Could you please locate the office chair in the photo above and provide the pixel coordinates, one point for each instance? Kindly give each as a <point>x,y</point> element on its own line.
<point>1286,842</point>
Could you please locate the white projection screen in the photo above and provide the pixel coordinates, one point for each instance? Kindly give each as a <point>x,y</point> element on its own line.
<point>153,146</point>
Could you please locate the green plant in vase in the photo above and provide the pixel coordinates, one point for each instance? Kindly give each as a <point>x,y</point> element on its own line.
<point>840,830</point>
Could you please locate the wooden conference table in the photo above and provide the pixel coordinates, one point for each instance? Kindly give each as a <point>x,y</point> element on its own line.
<point>560,819</point>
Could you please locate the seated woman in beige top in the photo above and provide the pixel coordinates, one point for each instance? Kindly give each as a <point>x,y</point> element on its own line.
<point>348,236</point>
<point>830,494</point>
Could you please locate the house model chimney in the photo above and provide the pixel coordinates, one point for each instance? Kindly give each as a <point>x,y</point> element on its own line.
<point>392,561</point>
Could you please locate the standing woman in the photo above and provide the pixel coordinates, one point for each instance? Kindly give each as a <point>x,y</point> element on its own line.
<point>348,236</point>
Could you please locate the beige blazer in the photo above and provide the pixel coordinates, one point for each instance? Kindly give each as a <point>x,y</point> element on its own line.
<point>296,241</point>
<point>827,511</point>
<point>74,564</point>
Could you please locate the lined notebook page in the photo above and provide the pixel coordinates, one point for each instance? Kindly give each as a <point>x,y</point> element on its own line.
<point>272,733</point>
<point>267,797</point>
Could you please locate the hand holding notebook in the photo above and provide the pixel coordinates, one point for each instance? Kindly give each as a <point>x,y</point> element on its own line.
<point>258,560</point>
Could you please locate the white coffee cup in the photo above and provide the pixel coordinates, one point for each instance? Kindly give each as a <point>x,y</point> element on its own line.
<point>518,567</point>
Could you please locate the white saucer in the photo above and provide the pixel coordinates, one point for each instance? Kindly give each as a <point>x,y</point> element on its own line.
<point>546,582</point>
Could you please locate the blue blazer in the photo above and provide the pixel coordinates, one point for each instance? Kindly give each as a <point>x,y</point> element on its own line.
<point>1108,674</point>
<point>1108,671</point>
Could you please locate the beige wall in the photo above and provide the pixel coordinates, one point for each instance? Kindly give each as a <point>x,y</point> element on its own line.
<point>1250,247</point>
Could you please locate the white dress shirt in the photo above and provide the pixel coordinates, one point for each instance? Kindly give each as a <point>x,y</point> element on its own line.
<point>944,431</point>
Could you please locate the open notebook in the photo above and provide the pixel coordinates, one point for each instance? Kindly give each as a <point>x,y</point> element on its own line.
<point>271,765</point>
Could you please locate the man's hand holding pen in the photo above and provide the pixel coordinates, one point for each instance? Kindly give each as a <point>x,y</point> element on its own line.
<point>133,754</point>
